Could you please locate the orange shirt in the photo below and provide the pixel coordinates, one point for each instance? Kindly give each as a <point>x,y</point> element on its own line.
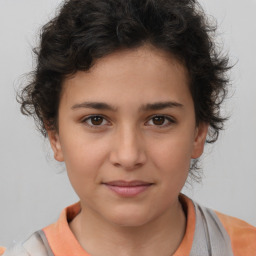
<point>242,235</point>
<point>2,249</point>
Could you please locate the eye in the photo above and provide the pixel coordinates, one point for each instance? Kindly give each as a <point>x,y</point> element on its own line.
<point>162,121</point>
<point>95,121</point>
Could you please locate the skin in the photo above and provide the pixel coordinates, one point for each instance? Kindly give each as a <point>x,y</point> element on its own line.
<point>129,144</point>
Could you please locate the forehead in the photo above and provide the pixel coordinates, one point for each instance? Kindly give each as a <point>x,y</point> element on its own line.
<point>144,73</point>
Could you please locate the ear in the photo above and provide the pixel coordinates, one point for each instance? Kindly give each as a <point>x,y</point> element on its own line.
<point>55,145</point>
<point>200,137</point>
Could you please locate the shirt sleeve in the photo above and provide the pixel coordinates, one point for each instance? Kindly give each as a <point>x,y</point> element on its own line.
<point>242,235</point>
<point>2,249</point>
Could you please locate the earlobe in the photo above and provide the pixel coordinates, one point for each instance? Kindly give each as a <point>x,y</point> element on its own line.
<point>199,142</point>
<point>55,145</point>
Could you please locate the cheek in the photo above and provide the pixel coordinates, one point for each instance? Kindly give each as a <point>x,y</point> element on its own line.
<point>83,162</point>
<point>83,151</point>
<point>172,159</point>
<point>173,152</point>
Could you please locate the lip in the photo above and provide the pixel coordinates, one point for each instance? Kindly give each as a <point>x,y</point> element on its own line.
<point>128,188</point>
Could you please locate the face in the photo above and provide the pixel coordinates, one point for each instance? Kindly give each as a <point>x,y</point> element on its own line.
<point>127,133</point>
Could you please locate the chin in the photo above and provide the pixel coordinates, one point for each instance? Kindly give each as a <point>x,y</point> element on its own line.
<point>129,218</point>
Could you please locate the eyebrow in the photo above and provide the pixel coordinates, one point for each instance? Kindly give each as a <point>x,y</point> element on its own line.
<point>160,105</point>
<point>146,107</point>
<point>95,105</point>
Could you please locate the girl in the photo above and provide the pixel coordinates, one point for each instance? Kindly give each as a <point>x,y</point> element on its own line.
<point>128,92</point>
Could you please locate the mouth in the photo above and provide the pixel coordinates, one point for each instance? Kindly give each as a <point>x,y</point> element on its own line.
<point>128,188</point>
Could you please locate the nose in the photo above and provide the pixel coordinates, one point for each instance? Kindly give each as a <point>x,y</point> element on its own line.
<point>128,149</point>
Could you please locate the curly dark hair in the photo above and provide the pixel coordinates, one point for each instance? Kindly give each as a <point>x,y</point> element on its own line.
<point>85,30</point>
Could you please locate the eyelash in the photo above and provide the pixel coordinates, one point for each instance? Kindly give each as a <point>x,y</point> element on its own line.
<point>168,118</point>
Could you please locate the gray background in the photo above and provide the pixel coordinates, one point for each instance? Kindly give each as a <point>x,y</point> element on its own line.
<point>34,189</point>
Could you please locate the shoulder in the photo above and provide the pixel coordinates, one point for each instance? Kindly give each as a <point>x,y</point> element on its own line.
<point>242,235</point>
<point>15,250</point>
<point>34,245</point>
<point>2,249</point>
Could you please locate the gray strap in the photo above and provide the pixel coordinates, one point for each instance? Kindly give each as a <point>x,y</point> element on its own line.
<point>210,238</point>
<point>35,245</point>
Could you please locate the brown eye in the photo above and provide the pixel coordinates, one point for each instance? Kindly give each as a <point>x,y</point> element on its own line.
<point>96,120</point>
<point>161,121</point>
<point>158,120</point>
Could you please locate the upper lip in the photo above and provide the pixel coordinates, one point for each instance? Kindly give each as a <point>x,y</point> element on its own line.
<point>122,183</point>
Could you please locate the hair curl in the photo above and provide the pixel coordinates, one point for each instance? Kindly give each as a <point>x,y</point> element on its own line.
<point>85,30</point>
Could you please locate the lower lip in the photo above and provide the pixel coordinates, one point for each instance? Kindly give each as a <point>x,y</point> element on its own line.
<point>128,191</point>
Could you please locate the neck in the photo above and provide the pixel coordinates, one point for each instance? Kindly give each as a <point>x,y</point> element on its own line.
<point>161,236</point>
